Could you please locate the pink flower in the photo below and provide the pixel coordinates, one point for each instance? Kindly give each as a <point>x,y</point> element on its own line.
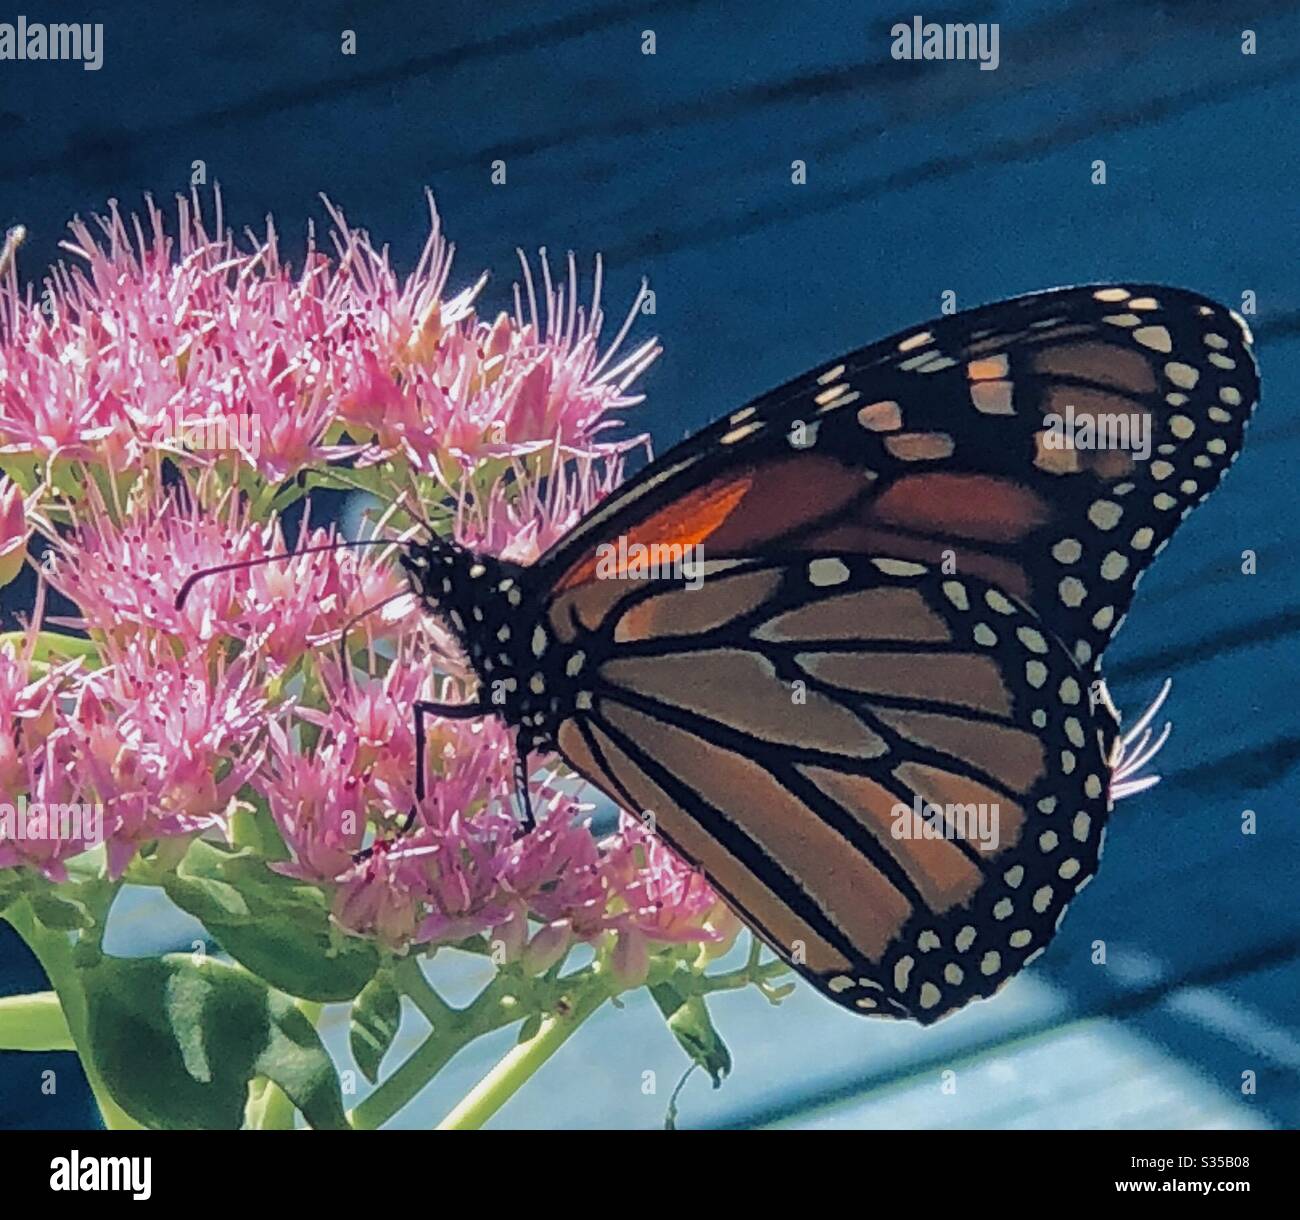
<point>521,514</point>
<point>365,592</point>
<point>432,886</point>
<point>164,740</point>
<point>557,870</point>
<point>363,768</point>
<point>548,946</point>
<point>461,865</point>
<point>171,385</point>
<point>666,900</point>
<point>382,897</point>
<point>28,704</point>
<point>129,572</point>
<point>14,531</point>
<point>444,389</point>
<point>57,823</point>
<point>319,803</point>
<point>38,768</point>
<point>126,575</point>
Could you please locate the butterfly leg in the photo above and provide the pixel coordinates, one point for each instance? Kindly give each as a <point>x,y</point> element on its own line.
<point>521,785</point>
<point>423,708</point>
<point>448,711</point>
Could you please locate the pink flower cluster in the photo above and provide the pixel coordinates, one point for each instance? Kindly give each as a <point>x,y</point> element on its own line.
<point>124,573</point>
<point>156,402</point>
<point>161,342</point>
<point>464,869</point>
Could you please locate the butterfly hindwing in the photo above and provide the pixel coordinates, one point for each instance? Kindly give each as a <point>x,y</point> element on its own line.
<point>796,726</point>
<point>1048,444</point>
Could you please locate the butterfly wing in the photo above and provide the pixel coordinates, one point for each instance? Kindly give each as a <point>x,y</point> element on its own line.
<point>914,558</point>
<point>896,777</point>
<point>1049,445</point>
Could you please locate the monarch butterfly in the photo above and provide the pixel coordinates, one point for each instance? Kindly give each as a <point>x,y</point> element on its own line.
<point>906,566</point>
<point>910,561</point>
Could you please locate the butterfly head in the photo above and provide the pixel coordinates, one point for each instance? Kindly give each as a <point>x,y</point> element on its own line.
<point>476,595</point>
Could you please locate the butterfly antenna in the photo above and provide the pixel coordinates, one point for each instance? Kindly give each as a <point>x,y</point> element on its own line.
<point>240,564</point>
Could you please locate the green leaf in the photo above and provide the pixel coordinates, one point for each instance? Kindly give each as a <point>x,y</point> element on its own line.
<point>688,1019</point>
<point>210,901</point>
<point>23,468</point>
<point>59,913</point>
<point>252,826</point>
<point>376,1016</point>
<point>278,927</point>
<point>34,1022</point>
<point>289,492</point>
<point>177,1039</point>
<point>91,865</point>
<point>54,644</point>
<point>528,1030</point>
<point>14,883</point>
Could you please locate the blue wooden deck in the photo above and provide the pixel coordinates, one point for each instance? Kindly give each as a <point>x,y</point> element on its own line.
<point>922,177</point>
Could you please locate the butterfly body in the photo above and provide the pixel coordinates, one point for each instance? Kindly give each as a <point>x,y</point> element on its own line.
<point>492,608</point>
<point>867,700</point>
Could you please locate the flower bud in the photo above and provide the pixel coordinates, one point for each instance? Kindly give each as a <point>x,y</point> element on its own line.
<point>506,940</point>
<point>547,947</point>
<point>725,923</point>
<point>14,531</point>
<point>630,961</point>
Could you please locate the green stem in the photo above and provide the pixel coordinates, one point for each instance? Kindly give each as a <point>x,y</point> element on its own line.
<point>401,1087</point>
<point>417,988</point>
<point>54,951</point>
<point>452,1029</point>
<point>524,1060</point>
<point>499,1004</point>
<point>750,974</point>
<point>502,1002</point>
<point>34,1023</point>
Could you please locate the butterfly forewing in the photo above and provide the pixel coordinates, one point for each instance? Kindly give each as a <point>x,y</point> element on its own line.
<point>1048,444</point>
<point>897,777</point>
